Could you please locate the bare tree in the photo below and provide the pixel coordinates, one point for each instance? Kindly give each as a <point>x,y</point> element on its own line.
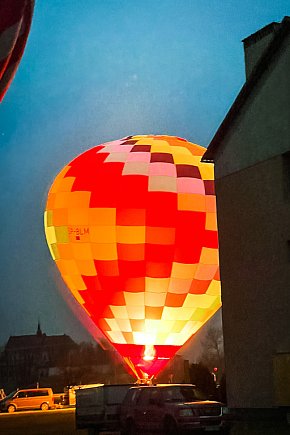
<point>213,350</point>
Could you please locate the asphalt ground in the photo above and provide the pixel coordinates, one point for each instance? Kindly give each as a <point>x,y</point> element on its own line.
<point>53,422</point>
<point>62,422</point>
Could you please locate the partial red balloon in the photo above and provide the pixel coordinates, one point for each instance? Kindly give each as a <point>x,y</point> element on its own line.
<point>15,22</point>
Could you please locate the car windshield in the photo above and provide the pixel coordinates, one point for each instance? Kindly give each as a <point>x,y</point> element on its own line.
<point>183,394</point>
<point>9,396</point>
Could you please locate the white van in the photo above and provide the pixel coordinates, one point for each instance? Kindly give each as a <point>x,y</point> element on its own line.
<point>98,406</point>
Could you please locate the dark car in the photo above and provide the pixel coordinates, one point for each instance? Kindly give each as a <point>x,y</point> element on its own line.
<point>171,409</point>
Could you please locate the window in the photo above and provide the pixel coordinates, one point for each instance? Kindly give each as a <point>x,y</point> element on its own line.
<point>37,393</point>
<point>144,397</point>
<point>132,396</point>
<point>288,249</point>
<point>155,398</point>
<point>286,174</point>
<point>182,394</point>
<point>115,395</point>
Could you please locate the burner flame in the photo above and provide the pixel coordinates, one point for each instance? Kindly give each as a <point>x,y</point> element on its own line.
<point>149,352</point>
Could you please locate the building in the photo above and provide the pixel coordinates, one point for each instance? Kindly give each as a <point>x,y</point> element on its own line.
<point>56,361</point>
<point>251,153</point>
<point>28,359</point>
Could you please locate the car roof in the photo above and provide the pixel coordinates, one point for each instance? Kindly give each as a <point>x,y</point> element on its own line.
<point>93,386</point>
<point>165,386</point>
<point>34,389</point>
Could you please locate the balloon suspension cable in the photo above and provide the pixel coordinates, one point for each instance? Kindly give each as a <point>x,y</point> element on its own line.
<point>131,366</point>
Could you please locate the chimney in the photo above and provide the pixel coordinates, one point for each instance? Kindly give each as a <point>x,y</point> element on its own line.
<point>256,44</point>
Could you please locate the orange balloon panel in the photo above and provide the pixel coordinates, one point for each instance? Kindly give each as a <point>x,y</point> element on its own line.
<point>131,225</point>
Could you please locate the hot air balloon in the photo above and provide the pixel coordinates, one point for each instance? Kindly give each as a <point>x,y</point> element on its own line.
<point>15,22</point>
<point>131,225</point>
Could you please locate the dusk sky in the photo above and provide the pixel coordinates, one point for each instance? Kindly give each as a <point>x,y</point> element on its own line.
<point>92,72</point>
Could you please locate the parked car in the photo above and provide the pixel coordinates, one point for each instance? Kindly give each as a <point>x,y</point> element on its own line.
<point>38,398</point>
<point>171,409</point>
<point>98,407</point>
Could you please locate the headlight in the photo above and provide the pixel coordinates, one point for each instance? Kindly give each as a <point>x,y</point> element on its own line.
<point>186,412</point>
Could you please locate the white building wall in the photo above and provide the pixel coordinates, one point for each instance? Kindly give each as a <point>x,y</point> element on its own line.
<point>262,129</point>
<point>254,235</point>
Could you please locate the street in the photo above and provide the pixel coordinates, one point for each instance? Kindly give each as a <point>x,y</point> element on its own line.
<point>62,422</point>
<point>53,422</point>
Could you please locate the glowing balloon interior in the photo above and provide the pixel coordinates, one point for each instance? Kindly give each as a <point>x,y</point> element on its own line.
<point>131,225</point>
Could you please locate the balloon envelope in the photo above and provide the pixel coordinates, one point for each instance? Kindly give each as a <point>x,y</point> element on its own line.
<point>131,225</point>
<point>15,22</point>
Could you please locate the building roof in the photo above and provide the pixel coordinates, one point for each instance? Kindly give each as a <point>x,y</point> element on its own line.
<point>21,342</point>
<point>255,37</point>
<point>282,30</point>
